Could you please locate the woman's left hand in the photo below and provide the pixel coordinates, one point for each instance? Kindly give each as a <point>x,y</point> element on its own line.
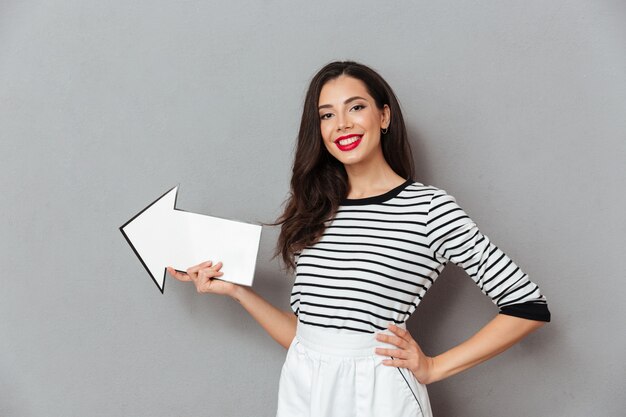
<point>408,355</point>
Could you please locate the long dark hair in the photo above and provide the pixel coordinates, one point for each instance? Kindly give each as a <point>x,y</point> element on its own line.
<point>319,181</point>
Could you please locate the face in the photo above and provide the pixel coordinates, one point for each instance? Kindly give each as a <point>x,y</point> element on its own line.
<point>350,122</point>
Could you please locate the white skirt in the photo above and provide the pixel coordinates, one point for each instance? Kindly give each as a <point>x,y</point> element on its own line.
<point>338,374</point>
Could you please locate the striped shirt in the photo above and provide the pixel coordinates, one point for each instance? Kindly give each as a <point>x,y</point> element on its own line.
<point>379,255</point>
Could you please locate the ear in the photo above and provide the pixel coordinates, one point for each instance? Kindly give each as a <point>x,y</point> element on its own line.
<point>385,117</point>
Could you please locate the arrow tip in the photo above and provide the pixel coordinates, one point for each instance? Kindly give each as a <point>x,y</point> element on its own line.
<point>139,234</point>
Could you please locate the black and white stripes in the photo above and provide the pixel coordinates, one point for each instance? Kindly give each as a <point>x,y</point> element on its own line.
<point>379,256</point>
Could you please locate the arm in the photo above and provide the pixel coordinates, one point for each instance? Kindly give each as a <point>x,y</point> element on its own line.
<point>498,335</point>
<point>279,324</point>
<point>454,237</point>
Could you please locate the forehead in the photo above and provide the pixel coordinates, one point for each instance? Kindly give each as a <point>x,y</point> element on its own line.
<point>335,91</point>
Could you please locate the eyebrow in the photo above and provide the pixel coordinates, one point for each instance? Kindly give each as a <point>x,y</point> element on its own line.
<point>345,102</point>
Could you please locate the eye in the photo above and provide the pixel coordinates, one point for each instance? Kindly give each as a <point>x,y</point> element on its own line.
<point>360,106</point>
<point>325,115</point>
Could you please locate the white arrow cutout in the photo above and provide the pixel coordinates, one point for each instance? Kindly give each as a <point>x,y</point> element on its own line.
<point>162,235</point>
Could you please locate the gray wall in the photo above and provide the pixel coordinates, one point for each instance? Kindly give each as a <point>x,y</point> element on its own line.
<point>517,108</point>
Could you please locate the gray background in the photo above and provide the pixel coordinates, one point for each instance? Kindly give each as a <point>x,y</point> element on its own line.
<point>518,109</point>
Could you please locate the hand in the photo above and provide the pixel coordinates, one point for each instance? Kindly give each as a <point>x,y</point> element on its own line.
<point>409,355</point>
<point>204,277</point>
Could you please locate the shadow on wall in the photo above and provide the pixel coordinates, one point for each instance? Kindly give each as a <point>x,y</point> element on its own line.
<point>422,165</point>
<point>433,321</point>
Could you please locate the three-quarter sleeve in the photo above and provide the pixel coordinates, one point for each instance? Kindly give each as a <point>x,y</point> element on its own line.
<point>454,237</point>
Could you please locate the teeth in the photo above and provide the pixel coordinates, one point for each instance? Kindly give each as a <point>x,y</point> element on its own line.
<point>348,141</point>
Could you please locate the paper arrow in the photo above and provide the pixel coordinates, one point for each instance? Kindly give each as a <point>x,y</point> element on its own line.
<point>162,235</point>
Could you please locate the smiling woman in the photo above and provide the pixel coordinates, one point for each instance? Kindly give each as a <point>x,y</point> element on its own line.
<point>351,128</point>
<point>366,242</point>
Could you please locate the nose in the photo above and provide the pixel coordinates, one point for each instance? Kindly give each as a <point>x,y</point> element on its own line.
<point>343,122</point>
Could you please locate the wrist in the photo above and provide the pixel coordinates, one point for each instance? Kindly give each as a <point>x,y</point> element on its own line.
<point>437,369</point>
<point>238,292</point>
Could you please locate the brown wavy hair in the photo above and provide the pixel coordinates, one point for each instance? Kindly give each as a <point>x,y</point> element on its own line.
<point>319,181</point>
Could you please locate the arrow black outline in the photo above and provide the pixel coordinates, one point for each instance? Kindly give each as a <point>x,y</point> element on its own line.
<point>133,246</point>
<point>175,208</point>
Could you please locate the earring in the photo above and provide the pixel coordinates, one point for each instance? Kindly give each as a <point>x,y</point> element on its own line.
<point>384,130</point>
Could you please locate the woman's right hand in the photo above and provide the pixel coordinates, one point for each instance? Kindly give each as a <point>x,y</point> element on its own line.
<point>204,277</point>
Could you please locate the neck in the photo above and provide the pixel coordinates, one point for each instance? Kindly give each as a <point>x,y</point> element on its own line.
<point>371,178</point>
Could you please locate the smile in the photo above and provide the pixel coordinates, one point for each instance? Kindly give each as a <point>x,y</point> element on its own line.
<point>348,143</point>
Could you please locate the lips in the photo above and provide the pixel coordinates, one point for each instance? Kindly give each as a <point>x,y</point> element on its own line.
<point>353,141</point>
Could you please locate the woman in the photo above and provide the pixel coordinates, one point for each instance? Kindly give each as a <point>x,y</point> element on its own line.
<point>366,242</point>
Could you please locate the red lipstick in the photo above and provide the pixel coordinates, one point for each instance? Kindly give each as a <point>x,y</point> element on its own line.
<point>349,146</point>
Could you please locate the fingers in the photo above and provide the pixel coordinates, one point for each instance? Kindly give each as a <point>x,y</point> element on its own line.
<point>398,363</point>
<point>394,340</point>
<point>207,273</point>
<point>181,276</point>
<point>193,269</point>
<point>394,353</point>
<point>408,354</point>
<point>204,278</point>
<point>400,332</point>
<point>200,274</point>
